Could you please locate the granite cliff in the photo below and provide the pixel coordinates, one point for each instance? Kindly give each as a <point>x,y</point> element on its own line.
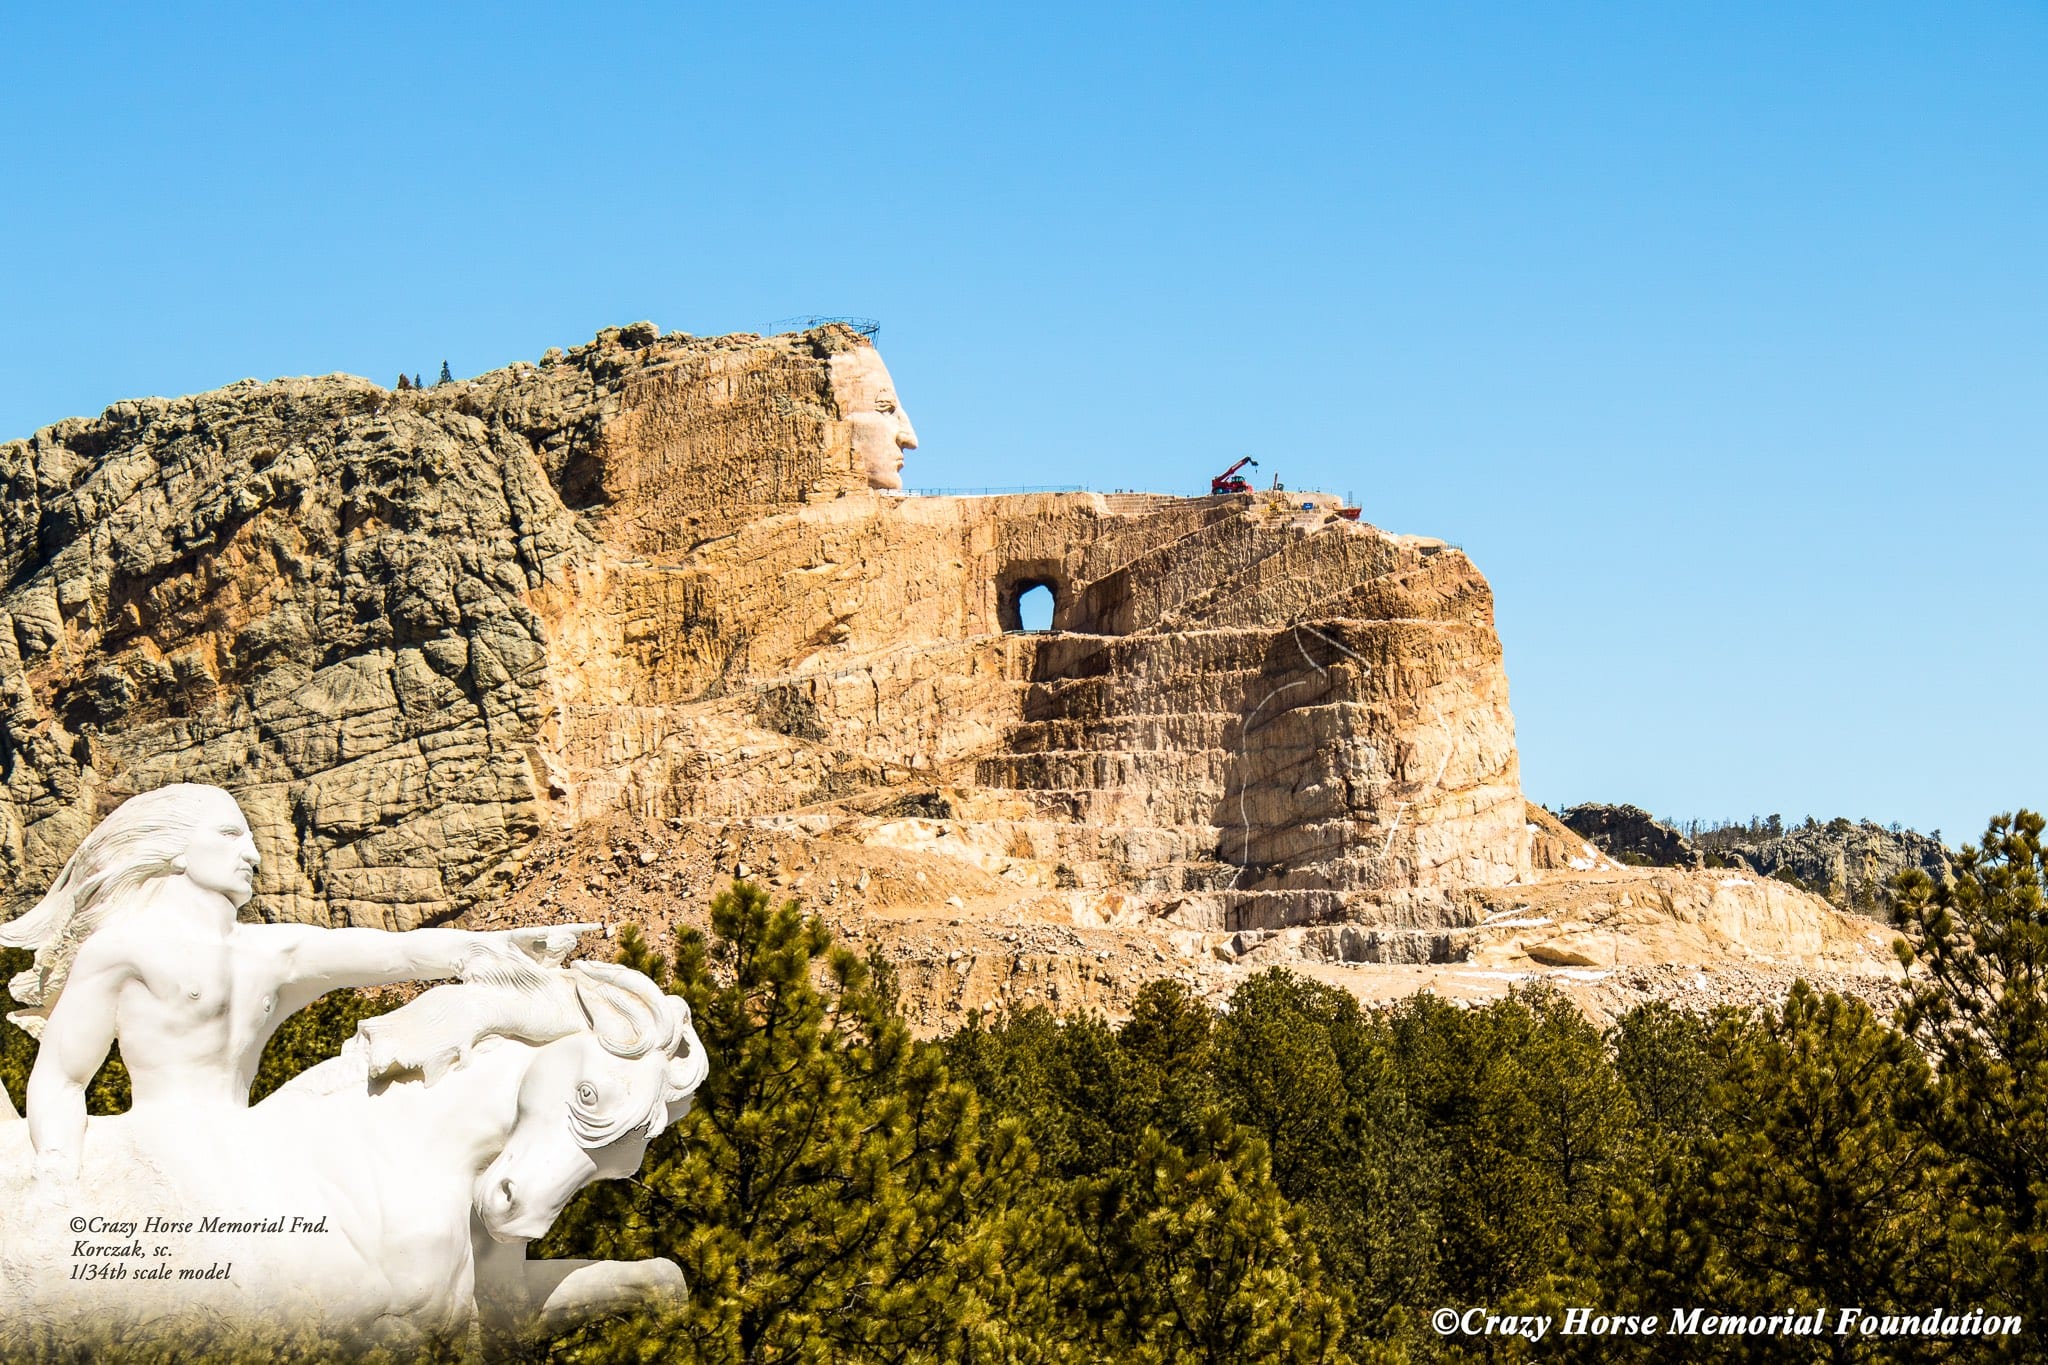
<point>1851,863</point>
<point>600,632</point>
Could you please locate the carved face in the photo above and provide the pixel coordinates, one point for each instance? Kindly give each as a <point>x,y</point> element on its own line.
<point>221,854</point>
<point>881,430</point>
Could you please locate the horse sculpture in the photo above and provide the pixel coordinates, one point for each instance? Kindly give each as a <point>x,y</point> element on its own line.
<point>388,1193</point>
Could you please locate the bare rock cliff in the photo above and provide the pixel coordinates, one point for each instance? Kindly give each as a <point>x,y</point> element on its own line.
<point>425,636</point>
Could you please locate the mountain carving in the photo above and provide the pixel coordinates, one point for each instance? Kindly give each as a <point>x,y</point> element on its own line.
<point>602,629</point>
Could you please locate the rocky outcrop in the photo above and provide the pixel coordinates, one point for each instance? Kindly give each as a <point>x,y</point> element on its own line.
<point>1631,835</point>
<point>1167,737</point>
<point>322,595</point>
<point>412,629</point>
<point>1852,864</point>
<point>595,636</point>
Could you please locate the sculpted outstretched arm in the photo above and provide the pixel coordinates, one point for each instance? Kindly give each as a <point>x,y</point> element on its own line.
<point>321,960</point>
<point>75,1043</point>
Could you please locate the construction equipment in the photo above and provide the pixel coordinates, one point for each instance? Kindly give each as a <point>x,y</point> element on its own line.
<point>1230,481</point>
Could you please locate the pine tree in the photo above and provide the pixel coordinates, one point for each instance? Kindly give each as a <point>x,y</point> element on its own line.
<point>1301,1065</point>
<point>829,1195</point>
<point>1977,952</point>
<point>404,383</point>
<point>1194,1255</point>
<point>1178,1242</point>
<point>1820,1188</point>
<point>634,952</point>
<point>1660,1054</point>
<point>1502,1212</point>
<point>1784,1166</point>
<point>1067,1081</point>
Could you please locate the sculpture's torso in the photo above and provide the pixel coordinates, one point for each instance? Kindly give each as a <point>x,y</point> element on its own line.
<point>196,1011</point>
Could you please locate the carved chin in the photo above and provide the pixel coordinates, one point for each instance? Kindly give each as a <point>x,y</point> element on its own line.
<point>509,1234</point>
<point>876,452</point>
<point>235,893</point>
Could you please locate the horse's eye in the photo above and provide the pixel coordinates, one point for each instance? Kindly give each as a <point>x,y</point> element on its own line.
<point>586,1095</point>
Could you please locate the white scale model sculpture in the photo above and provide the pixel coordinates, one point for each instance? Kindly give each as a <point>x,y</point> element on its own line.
<point>387,1194</point>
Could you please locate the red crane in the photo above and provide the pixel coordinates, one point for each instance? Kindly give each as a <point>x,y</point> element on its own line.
<point>1229,481</point>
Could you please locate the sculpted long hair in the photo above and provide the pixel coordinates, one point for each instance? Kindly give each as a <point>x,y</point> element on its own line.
<point>135,846</point>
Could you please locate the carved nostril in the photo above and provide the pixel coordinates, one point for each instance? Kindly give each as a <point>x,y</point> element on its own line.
<point>505,1191</point>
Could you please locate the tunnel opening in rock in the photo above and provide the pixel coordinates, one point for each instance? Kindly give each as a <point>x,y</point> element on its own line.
<point>1028,603</point>
<point>1034,608</point>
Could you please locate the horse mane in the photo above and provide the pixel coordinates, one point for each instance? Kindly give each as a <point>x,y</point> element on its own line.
<point>436,1031</point>
<point>627,1013</point>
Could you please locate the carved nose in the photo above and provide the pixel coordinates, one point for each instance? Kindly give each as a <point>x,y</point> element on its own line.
<point>906,435</point>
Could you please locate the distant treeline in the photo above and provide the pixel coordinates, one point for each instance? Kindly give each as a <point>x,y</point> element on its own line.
<point>1299,1178</point>
<point>1854,864</point>
<point>1734,833</point>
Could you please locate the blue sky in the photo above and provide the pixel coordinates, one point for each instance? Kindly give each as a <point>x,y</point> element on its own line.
<point>1715,333</point>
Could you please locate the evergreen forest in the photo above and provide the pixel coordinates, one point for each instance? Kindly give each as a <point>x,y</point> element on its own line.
<point>1297,1178</point>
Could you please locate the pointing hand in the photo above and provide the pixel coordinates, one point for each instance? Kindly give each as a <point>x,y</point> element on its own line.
<point>549,944</point>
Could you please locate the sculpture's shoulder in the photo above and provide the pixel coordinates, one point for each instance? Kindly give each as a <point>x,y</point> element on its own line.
<point>106,959</point>
<point>277,945</point>
<point>163,956</point>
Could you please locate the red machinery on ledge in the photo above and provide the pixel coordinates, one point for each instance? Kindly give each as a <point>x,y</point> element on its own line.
<point>1230,481</point>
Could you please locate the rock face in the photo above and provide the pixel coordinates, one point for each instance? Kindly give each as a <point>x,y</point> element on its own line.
<point>1632,835</point>
<point>408,629</point>
<point>1851,864</point>
<point>321,595</point>
<point>647,586</point>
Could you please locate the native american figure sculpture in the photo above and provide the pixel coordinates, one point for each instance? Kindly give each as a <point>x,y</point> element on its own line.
<point>391,1191</point>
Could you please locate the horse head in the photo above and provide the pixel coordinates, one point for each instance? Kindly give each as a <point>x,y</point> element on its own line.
<point>592,1099</point>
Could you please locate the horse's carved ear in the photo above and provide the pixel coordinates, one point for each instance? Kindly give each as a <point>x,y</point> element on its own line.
<point>622,1007</point>
<point>688,1066</point>
<point>685,1073</point>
